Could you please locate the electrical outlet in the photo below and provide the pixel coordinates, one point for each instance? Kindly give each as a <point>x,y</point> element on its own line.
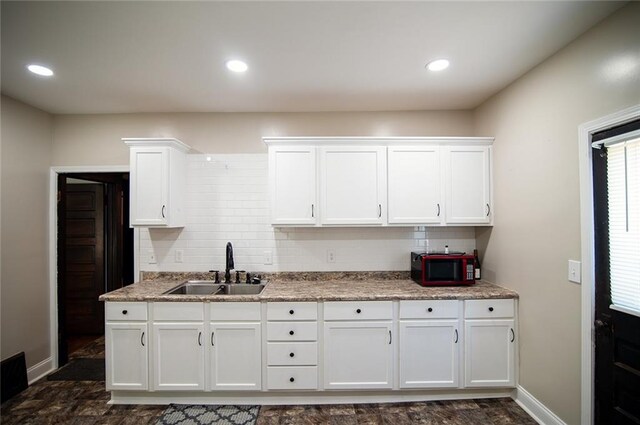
<point>574,271</point>
<point>268,257</point>
<point>152,256</point>
<point>179,255</point>
<point>331,256</point>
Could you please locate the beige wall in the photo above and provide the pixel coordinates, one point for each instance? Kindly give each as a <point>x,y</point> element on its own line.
<point>95,139</point>
<point>26,158</point>
<point>537,223</point>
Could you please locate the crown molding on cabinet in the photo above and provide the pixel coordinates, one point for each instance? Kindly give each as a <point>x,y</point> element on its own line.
<point>156,142</point>
<point>378,141</point>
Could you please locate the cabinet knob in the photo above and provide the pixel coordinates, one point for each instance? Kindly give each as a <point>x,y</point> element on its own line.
<point>490,308</point>
<point>358,311</point>
<point>291,379</point>
<point>124,311</point>
<point>291,312</point>
<point>430,309</point>
<point>291,332</point>
<point>291,354</point>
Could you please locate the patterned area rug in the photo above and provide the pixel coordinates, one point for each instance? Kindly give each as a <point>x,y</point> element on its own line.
<point>181,414</point>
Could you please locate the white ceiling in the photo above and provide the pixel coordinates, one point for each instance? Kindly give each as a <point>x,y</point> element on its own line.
<point>111,57</point>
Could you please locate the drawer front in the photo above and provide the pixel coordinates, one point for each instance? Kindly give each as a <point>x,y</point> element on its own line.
<point>358,310</point>
<point>481,309</point>
<point>292,331</point>
<point>436,309</point>
<point>292,354</point>
<point>126,311</point>
<point>221,311</point>
<point>292,378</point>
<point>178,311</point>
<point>292,311</point>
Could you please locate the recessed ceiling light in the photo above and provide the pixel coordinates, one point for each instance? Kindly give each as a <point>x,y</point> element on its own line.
<point>237,66</point>
<point>438,65</point>
<point>40,70</point>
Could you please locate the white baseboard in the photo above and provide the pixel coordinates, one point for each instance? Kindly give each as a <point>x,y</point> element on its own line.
<point>536,409</point>
<point>39,370</point>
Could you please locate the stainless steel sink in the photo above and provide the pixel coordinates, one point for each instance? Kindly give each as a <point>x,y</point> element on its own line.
<point>205,287</point>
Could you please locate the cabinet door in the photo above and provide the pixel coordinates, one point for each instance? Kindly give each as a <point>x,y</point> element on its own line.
<point>489,353</point>
<point>358,355</point>
<point>292,182</point>
<point>178,356</point>
<point>236,356</point>
<point>429,354</point>
<point>126,356</point>
<point>414,183</point>
<point>468,184</point>
<point>353,185</point>
<point>149,186</point>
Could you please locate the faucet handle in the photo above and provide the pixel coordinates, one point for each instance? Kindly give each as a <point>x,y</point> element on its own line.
<point>238,275</point>
<point>248,278</point>
<point>217,276</point>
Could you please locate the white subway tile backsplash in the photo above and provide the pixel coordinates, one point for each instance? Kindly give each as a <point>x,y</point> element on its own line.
<point>227,200</point>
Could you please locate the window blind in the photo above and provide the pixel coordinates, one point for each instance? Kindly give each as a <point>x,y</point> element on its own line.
<point>623,187</point>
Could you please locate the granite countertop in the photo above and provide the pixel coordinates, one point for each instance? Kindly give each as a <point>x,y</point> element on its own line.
<point>331,287</point>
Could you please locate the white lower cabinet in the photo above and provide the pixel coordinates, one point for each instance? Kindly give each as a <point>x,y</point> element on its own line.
<point>178,356</point>
<point>126,351</point>
<point>490,343</point>
<point>235,356</point>
<point>358,355</point>
<point>340,345</point>
<point>429,354</point>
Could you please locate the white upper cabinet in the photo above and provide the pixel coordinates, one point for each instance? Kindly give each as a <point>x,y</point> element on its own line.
<point>292,182</point>
<point>414,181</point>
<point>380,181</point>
<point>352,185</point>
<point>157,182</point>
<point>468,184</point>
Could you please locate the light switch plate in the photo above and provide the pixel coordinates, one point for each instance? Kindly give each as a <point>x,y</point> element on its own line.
<point>268,257</point>
<point>179,255</point>
<point>152,257</point>
<point>574,271</point>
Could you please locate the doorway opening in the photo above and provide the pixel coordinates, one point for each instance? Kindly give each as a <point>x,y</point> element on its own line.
<point>616,231</point>
<point>95,253</point>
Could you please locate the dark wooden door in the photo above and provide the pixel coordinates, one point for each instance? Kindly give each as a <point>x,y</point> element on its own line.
<point>84,273</point>
<point>617,334</point>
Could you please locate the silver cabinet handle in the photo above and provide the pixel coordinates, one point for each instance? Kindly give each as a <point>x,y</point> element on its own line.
<point>163,211</point>
<point>513,335</point>
<point>212,344</point>
<point>438,210</point>
<point>312,214</point>
<point>142,339</point>
<point>379,210</point>
<point>389,337</point>
<point>488,210</point>
<point>456,340</point>
<point>200,339</point>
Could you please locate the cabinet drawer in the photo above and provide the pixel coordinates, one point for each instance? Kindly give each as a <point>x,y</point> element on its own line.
<point>429,309</point>
<point>292,378</point>
<point>292,311</point>
<point>221,311</point>
<point>292,354</point>
<point>358,310</point>
<point>179,311</point>
<point>292,331</point>
<point>480,309</point>
<point>126,311</point>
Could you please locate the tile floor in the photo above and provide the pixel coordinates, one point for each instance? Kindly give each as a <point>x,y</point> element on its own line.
<point>85,403</point>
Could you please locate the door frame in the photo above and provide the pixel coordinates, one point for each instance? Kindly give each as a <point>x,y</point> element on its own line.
<point>585,131</point>
<point>53,244</point>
